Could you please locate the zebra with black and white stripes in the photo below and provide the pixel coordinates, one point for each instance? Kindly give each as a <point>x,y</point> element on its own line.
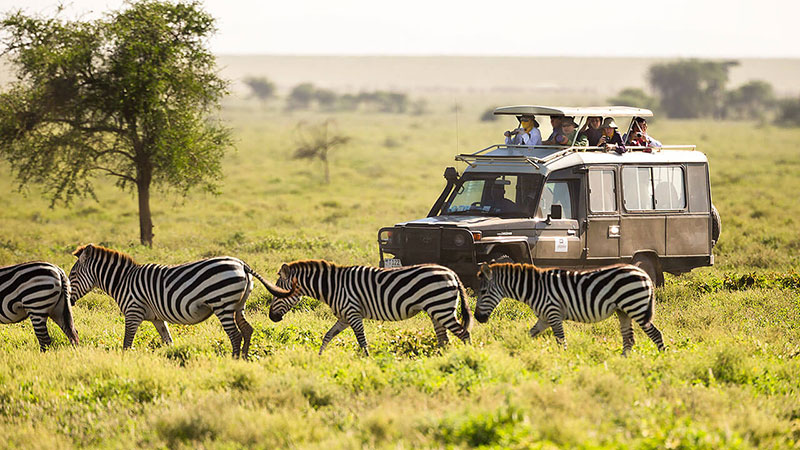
<point>355,293</point>
<point>185,294</point>
<point>586,296</point>
<point>37,290</point>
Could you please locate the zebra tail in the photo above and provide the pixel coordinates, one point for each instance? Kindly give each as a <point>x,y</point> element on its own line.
<point>274,290</point>
<point>66,312</point>
<point>651,307</point>
<point>466,316</point>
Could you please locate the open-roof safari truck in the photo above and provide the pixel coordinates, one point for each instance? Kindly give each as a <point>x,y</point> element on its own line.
<point>566,206</point>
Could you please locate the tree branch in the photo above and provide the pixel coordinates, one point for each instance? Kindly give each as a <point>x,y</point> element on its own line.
<point>116,174</point>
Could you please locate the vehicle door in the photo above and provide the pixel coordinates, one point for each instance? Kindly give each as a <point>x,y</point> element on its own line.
<point>603,220</point>
<point>559,240</point>
<point>688,227</point>
<point>647,198</point>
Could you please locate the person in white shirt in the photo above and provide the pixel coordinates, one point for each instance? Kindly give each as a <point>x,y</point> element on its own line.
<point>527,134</point>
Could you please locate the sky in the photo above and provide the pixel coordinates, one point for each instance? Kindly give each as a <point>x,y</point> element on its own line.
<point>635,28</point>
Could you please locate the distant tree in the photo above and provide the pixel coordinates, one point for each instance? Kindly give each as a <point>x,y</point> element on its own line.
<point>261,87</point>
<point>419,107</point>
<point>326,98</point>
<point>348,102</point>
<point>789,112</point>
<point>301,96</point>
<point>691,88</point>
<point>317,142</point>
<point>489,116</point>
<point>634,97</point>
<point>752,100</point>
<point>131,95</point>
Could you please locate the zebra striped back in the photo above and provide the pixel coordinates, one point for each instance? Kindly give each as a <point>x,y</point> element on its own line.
<point>37,290</point>
<point>380,294</point>
<point>582,296</point>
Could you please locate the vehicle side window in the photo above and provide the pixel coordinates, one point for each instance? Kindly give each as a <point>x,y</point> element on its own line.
<point>637,188</point>
<point>653,188</point>
<point>669,188</point>
<point>602,190</point>
<point>556,193</point>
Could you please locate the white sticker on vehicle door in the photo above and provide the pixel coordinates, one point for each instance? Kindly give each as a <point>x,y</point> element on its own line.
<point>561,245</point>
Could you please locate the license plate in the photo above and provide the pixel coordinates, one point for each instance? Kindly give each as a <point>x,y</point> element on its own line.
<point>392,262</point>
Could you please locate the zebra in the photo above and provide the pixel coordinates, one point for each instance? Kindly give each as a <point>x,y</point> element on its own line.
<point>37,290</point>
<point>361,292</point>
<point>581,296</point>
<point>184,294</point>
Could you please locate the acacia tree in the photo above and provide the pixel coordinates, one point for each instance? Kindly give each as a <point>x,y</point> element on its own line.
<point>131,95</point>
<point>691,88</point>
<point>317,142</point>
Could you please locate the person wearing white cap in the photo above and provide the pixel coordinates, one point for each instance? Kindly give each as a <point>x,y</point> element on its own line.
<point>611,140</point>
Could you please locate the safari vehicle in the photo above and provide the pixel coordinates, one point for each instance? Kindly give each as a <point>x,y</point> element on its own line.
<point>566,206</point>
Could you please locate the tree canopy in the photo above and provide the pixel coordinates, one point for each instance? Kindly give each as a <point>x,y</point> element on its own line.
<point>691,88</point>
<point>131,95</point>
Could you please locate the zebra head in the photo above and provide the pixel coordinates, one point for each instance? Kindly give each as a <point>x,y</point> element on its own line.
<point>489,294</point>
<point>81,278</point>
<point>287,279</point>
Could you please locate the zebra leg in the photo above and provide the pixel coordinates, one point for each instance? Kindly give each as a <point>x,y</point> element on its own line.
<point>452,324</point>
<point>337,328</point>
<point>652,332</point>
<point>626,330</point>
<point>229,325</point>
<point>356,323</point>
<point>246,329</point>
<point>133,318</point>
<point>441,333</point>
<point>40,328</point>
<point>539,328</point>
<point>558,329</point>
<point>163,331</point>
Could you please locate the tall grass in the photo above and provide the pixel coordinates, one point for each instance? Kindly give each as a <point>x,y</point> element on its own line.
<point>728,379</point>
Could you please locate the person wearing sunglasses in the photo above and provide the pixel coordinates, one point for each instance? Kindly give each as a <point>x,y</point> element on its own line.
<point>527,134</point>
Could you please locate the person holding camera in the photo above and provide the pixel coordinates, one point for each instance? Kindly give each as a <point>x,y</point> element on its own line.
<point>638,136</point>
<point>569,134</point>
<point>610,139</point>
<point>527,134</point>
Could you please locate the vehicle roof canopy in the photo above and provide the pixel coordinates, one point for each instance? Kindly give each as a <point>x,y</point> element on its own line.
<point>604,111</point>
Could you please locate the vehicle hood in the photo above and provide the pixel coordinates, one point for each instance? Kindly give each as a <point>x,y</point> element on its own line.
<point>473,222</point>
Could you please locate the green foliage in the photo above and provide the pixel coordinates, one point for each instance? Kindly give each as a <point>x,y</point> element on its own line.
<point>129,96</point>
<point>691,88</point>
<point>789,112</point>
<point>261,87</point>
<point>752,100</point>
<point>301,96</point>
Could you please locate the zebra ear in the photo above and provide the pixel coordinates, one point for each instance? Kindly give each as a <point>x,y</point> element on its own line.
<point>485,271</point>
<point>284,271</point>
<point>79,250</point>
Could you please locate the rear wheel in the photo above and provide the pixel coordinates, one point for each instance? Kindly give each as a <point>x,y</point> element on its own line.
<point>649,263</point>
<point>499,257</point>
<point>716,226</point>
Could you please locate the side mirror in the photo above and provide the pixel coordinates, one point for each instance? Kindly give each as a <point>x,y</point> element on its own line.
<point>451,174</point>
<point>555,212</point>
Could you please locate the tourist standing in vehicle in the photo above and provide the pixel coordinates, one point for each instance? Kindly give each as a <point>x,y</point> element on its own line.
<point>638,135</point>
<point>592,130</point>
<point>527,134</point>
<point>569,130</point>
<point>611,140</point>
<point>555,121</point>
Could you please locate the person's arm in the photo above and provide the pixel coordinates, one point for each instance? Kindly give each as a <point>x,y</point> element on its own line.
<point>653,142</point>
<point>536,137</point>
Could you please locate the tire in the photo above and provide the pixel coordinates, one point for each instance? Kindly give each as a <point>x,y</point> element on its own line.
<point>649,263</point>
<point>499,257</point>
<point>716,226</point>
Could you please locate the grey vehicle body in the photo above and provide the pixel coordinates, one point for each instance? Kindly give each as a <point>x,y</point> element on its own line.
<point>565,207</point>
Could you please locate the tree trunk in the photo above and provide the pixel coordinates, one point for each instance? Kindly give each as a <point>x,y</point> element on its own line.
<point>145,219</point>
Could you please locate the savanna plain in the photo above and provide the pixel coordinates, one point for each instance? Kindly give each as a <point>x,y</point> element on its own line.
<point>730,377</point>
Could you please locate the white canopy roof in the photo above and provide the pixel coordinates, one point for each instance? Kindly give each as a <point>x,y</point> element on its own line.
<point>604,111</point>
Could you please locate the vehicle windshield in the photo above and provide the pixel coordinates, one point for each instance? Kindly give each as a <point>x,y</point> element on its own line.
<point>506,195</point>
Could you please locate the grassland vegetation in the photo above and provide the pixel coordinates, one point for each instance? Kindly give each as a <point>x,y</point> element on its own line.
<point>729,377</point>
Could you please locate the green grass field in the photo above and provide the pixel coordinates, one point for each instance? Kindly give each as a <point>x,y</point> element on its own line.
<point>730,377</point>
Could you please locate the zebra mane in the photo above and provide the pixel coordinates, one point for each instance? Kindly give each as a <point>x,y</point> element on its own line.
<point>104,250</point>
<point>517,266</point>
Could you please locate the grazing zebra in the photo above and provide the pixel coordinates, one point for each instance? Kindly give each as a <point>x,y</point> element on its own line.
<point>587,296</point>
<point>360,292</point>
<point>185,294</point>
<point>37,290</point>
